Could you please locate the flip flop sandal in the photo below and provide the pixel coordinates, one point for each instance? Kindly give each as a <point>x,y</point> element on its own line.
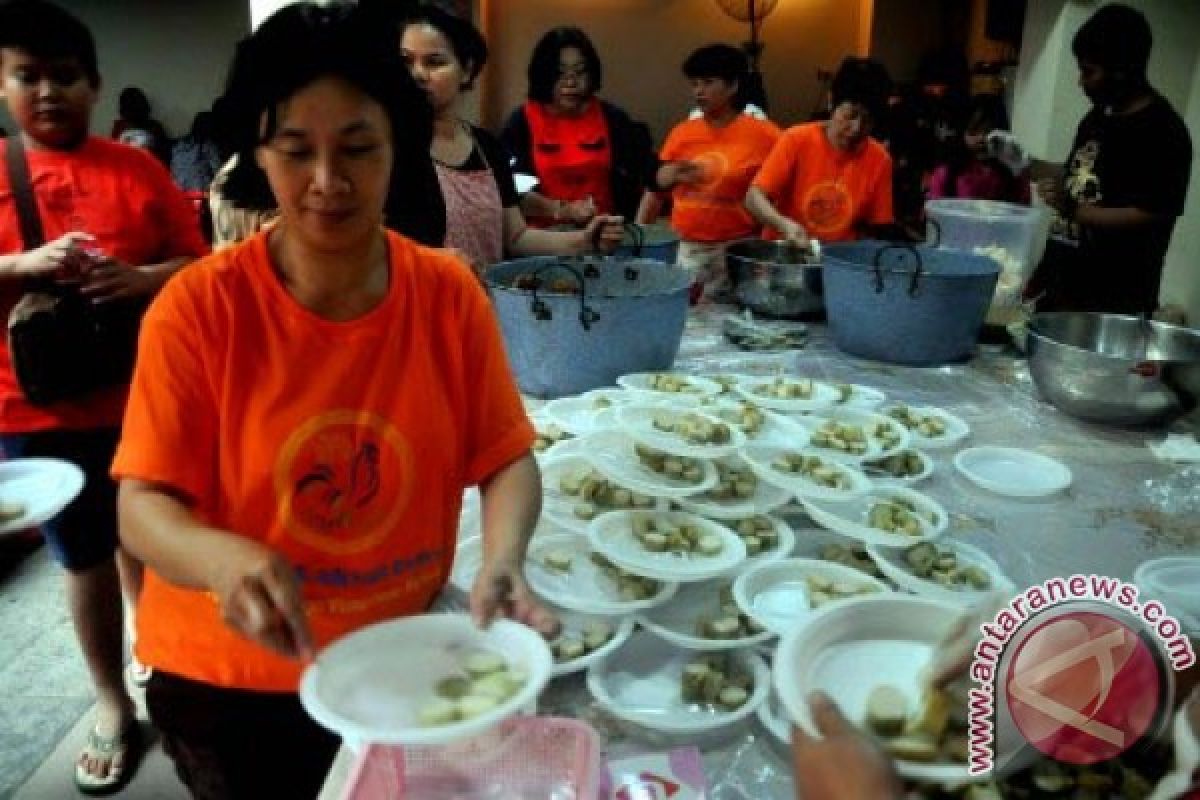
<point>126,744</point>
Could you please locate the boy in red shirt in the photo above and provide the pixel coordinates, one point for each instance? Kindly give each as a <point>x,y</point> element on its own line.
<point>92,195</point>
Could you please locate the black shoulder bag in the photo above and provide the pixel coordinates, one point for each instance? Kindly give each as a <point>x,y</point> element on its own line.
<point>62,345</point>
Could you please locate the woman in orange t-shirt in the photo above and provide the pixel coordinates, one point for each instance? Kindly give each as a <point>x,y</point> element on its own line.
<point>307,409</point>
<point>709,163</point>
<point>830,180</point>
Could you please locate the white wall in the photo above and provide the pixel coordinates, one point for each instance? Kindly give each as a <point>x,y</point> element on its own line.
<point>177,52</point>
<point>1049,105</point>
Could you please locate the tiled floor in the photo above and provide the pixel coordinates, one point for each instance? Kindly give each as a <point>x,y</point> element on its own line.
<point>45,697</point>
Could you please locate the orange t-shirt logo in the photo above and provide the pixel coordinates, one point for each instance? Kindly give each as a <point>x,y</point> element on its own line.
<point>342,480</point>
<point>828,207</point>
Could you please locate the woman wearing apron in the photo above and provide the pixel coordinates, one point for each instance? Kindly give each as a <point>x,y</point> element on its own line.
<point>483,217</point>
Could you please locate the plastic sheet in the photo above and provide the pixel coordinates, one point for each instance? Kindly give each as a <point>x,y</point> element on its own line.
<point>1123,507</point>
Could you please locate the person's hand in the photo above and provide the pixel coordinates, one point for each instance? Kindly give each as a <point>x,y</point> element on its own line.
<point>794,232</point>
<point>843,764</point>
<point>65,255</point>
<point>260,598</point>
<point>500,590</point>
<point>683,172</point>
<point>110,280</point>
<point>604,232</point>
<point>579,212</point>
<point>1052,194</point>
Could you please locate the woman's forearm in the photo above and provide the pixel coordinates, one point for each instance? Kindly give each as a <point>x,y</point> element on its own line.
<point>536,204</point>
<point>522,240</point>
<point>1100,217</point>
<point>763,210</point>
<point>160,530</point>
<point>512,502</point>
<point>10,267</point>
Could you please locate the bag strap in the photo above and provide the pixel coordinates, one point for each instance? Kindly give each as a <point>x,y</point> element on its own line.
<point>28,219</point>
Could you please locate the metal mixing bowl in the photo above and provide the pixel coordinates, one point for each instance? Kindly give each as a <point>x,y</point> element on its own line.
<point>1114,369</point>
<point>775,279</point>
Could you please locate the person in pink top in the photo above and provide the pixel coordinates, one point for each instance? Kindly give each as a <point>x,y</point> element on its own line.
<point>974,171</point>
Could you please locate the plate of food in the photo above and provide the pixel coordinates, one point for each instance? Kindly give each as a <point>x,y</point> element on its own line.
<point>785,593</point>
<point>424,680</point>
<point>691,433</point>
<point>666,545</point>
<point>871,658</point>
<point>574,493</point>
<point>35,490</point>
<point>564,570</point>
<point>888,516</point>
<point>670,383</point>
<point>738,494</point>
<point>646,469</point>
<point>947,570</point>
<point>854,436</point>
<point>930,427</point>
<point>664,688</point>
<point>855,395</point>
<point>788,395</point>
<point>805,473</point>
<point>704,616</point>
<point>907,467</point>
<point>586,639</point>
<point>584,413</point>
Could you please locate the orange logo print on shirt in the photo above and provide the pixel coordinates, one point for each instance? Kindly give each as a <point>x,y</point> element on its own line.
<point>828,208</point>
<point>343,479</point>
<point>714,165</point>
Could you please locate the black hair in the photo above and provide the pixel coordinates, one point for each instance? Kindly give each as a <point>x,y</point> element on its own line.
<point>863,81</point>
<point>466,41</point>
<point>544,63</point>
<point>47,31</point>
<point>983,111</point>
<point>295,47</point>
<point>1115,37</point>
<point>133,105</point>
<point>986,111</point>
<point>724,62</point>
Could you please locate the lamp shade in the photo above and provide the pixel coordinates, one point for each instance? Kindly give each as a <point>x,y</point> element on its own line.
<point>740,9</point>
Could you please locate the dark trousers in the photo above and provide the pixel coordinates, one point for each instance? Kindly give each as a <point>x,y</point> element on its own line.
<point>232,744</point>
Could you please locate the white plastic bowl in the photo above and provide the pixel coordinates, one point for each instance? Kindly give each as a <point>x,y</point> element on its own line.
<point>574,622</point>
<point>850,517</point>
<point>760,457</point>
<point>1175,582</point>
<point>775,595</point>
<point>370,685</point>
<point>41,486</point>
<point>638,421</point>
<point>1013,472</point>
<point>774,719</point>
<point>956,428</point>
<point>858,646</point>
<point>640,683</point>
<point>612,536</point>
<point>585,587</point>
<point>892,564</point>
<point>640,382</point>
<point>676,620</point>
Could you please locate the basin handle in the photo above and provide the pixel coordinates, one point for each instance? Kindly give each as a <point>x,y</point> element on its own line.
<point>914,285</point>
<point>638,235</point>
<point>933,225</point>
<point>541,310</point>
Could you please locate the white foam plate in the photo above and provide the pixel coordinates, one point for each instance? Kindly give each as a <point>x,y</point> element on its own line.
<point>369,686</point>
<point>858,646</point>
<point>787,544</point>
<point>849,517</point>
<point>676,621</point>
<point>823,396</point>
<point>641,683</point>
<point>574,622</point>
<point>850,416</point>
<point>579,414</point>
<point>612,536</point>
<point>585,587</point>
<point>956,428</point>
<point>640,382</point>
<point>559,507</point>
<point>776,595</point>
<point>541,423</point>
<point>863,398</point>
<point>1175,582</point>
<point>41,486</point>
<point>892,563</point>
<point>1013,472</point>
<point>776,428</point>
<point>759,458</point>
<point>612,452</point>
<point>766,498</point>
<point>638,421</point>
<point>881,476</point>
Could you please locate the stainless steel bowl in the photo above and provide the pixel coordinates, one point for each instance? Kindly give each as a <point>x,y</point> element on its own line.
<point>775,279</point>
<point>1114,369</point>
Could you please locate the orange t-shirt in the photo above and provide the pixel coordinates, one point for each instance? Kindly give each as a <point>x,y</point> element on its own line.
<point>713,211</point>
<point>126,199</point>
<point>344,446</point>
<point>828,191</point>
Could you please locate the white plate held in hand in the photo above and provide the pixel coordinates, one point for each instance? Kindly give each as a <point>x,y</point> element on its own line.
<point>37,487</point>
<point>1013,472</point>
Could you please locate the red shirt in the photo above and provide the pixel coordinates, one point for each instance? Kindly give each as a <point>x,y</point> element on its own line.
<point>572,155</point>
<point>127,200</point>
